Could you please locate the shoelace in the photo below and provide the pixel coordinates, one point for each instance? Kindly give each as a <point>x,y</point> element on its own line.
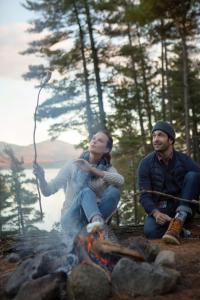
<point>176,225</point>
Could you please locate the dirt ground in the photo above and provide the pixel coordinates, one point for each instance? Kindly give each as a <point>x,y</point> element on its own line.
<point>188,263</point>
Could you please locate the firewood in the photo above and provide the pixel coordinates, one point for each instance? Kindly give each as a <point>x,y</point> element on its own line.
<point>103,246</point>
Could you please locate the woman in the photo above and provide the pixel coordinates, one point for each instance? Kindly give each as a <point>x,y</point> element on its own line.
<point>91,187</point>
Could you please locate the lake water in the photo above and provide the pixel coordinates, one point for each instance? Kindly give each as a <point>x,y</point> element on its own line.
<point>51,206</point>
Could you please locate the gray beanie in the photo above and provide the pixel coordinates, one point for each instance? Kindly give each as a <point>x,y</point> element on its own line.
<point>166,127</point>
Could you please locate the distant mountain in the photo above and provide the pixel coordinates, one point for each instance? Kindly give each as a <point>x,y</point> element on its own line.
<point>50,154</point>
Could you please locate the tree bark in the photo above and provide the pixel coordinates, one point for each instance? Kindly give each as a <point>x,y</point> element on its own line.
<point>96,67</point>
<point>137,95</point>
<point>168,90</point>
<point>87,90</point>
<point>146,91</point>
<point>163,80</point>
<point>186,90</point>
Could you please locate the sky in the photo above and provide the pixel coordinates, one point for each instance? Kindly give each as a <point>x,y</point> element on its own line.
<point>18,97</point>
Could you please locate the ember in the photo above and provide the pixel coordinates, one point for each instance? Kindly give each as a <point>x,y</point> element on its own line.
<point>94,248</point>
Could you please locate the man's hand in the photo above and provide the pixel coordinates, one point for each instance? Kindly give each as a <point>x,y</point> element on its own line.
<point>161,218</point>
<point>83,165</point>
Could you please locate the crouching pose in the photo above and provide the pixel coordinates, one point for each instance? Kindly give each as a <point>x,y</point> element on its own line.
<point>91,186</point>
<point>169,171</point>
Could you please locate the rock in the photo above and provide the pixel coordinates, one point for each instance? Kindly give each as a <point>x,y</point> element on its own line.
<point>166,258</point>
<point>143,246</point>
<point>89,282</point>
<point>22,274</point>
<point>49,287</point>
<point>13,257</point>
<point>132,279</point>
<point>49,262</point>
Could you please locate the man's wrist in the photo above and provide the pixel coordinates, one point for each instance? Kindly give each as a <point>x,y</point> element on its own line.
<point>154,212</point>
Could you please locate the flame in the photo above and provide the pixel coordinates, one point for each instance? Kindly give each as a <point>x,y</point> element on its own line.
<point>97,234</point>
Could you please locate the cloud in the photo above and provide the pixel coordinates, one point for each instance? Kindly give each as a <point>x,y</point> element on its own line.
<point>15,39</point>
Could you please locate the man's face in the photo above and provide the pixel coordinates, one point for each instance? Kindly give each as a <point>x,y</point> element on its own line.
<point>161,141</point>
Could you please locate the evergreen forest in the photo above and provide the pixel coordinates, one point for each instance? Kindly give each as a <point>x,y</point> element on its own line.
<point>120,65</point>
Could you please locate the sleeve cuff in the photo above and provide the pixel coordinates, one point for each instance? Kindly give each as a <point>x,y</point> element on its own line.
<point>153,211</point>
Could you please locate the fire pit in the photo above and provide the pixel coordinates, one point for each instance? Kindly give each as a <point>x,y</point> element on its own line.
<point>96,269</point>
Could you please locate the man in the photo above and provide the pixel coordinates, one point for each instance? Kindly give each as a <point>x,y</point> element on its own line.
<point>168,171</point>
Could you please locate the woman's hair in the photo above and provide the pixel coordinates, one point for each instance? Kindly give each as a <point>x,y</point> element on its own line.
<point>110,139</point>
<point>107,155</point>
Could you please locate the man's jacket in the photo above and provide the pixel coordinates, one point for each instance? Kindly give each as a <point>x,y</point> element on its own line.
<point>154,175</point>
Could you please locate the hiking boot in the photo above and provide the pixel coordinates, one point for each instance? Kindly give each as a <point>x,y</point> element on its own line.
<point>96,224</point>
<point>172,235</point>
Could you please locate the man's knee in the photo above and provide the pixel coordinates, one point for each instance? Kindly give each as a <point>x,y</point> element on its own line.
<point>152,230</point>
<point>193,177</point>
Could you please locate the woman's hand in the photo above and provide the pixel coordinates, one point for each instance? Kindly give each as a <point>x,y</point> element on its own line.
<point>83,165</point>
<point>38,170</point>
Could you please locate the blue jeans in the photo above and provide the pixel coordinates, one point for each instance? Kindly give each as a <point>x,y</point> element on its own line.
<point>85,207</point>
<point>190,190</point>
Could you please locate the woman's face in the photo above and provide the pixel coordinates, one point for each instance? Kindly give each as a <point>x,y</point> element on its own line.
<point>98,144</point>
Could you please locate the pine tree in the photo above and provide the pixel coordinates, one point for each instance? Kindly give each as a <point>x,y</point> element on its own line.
<point>6,213</point>
<point>69,20</point>
<point>22,198</point>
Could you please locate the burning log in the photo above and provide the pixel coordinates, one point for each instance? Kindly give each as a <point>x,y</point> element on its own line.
<point>94,248</point>
<point>104,247</point>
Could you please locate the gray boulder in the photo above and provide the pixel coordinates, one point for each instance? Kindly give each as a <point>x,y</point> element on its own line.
<point>133,279</point>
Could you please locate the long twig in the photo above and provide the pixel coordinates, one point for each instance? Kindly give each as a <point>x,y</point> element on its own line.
<point>35,150</point>
<point>46,79</point>
<point>168,196</point>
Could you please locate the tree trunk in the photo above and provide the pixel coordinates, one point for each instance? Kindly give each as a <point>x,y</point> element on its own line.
<point>135,200</point>
<point>195,138</point>
<point>146,91</point>
<point>163,80</point>
<point>87,92</point>
<point>137,95</point>
<point>168,90</point>
<point>185,90</point>
<point>19,208</point>
<point>96,68</point>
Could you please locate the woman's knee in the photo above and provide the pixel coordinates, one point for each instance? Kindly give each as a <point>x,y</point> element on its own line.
<point>113,193</point>
<point>85,193</point>
<point>87,189</point>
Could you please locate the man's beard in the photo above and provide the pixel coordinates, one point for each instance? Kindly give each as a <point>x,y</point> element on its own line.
<point>162,148</point>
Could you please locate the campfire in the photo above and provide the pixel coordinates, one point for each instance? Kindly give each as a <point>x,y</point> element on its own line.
<point>94,248</point>
<point>46,270</point>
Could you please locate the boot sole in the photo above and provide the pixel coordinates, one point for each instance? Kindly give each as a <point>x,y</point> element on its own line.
<point>169,239</point>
